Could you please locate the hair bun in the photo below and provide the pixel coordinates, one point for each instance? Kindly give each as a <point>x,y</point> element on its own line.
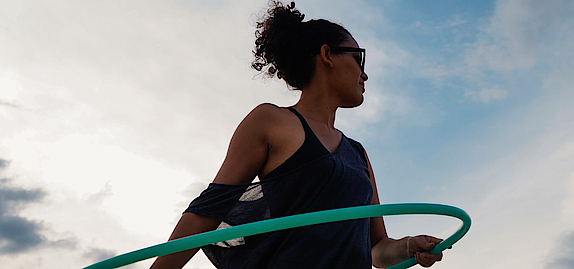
<point>275,33</point>
<point>285,45</point>
<point>283,17</point>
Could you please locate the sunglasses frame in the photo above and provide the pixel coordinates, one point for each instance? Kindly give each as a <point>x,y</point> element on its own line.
<point>362,51</point>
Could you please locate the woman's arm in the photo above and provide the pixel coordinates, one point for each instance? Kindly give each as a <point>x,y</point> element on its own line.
<point>387,251</point>
<point>246,155</point>
<point>189,224</point>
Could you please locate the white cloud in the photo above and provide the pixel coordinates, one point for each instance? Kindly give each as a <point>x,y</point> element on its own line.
<point>518,34</point>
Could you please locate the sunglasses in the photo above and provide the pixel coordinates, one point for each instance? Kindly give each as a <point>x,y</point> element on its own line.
<point>359,58</point>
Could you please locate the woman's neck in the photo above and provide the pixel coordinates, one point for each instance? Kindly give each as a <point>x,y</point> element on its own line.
<point>317,107</point>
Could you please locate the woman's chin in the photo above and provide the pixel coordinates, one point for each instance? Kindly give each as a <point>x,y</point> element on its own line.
<point>354,104</point>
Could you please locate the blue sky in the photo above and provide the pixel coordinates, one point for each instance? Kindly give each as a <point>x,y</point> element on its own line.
<point>115,115</point>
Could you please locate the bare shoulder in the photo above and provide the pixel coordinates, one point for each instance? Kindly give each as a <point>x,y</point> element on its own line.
<point>267,111</point>
<point>249,147</point>
<point>280,130</point>
<point>265,116</point>
<point>259,123</point>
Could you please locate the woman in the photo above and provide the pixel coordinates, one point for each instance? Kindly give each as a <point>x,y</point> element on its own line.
<point>304,163</point>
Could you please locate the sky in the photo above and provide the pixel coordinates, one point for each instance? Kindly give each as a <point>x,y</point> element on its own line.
<point>114,115</point>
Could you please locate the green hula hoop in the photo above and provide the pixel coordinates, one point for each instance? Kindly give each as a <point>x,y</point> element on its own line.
<point>294,221</point>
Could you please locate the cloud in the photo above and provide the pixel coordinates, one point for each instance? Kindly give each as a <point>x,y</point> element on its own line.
<point>98,254</point>
<point>18,234</point>
<point>64,226</point>
<point>519,34</point>
<point>3,164</point>
<point>486,95</point>
<point>103,194</point>
<point>121,68</point>
<point>563,252</point>
<point>8,104</point>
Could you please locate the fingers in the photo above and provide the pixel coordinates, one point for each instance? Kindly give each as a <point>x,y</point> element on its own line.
<point>433,240</point>
<point>424,243</point>
<point>427,259</point>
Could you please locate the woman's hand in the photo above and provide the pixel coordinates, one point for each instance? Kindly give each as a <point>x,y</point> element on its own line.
<point>417,245</point>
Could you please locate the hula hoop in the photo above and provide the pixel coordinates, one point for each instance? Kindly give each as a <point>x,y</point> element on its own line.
<point>294,221</point>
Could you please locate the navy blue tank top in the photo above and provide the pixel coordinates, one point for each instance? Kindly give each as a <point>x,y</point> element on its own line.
<point>312,179</point>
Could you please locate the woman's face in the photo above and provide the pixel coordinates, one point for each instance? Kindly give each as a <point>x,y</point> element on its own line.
<point>348,80</point>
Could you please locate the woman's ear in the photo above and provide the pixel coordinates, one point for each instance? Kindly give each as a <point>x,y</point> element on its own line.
<point>325,56</point>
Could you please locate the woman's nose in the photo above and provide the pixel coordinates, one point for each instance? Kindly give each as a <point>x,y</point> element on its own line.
<point>364,76</point>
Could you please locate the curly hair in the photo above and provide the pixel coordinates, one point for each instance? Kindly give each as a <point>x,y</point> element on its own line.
<point>286,45</point>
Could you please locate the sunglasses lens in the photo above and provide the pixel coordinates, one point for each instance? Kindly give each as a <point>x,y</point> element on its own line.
<point>361,60</point>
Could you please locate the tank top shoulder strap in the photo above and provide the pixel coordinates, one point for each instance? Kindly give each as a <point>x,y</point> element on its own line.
<point>312,142</point>
<point>304,122</point>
